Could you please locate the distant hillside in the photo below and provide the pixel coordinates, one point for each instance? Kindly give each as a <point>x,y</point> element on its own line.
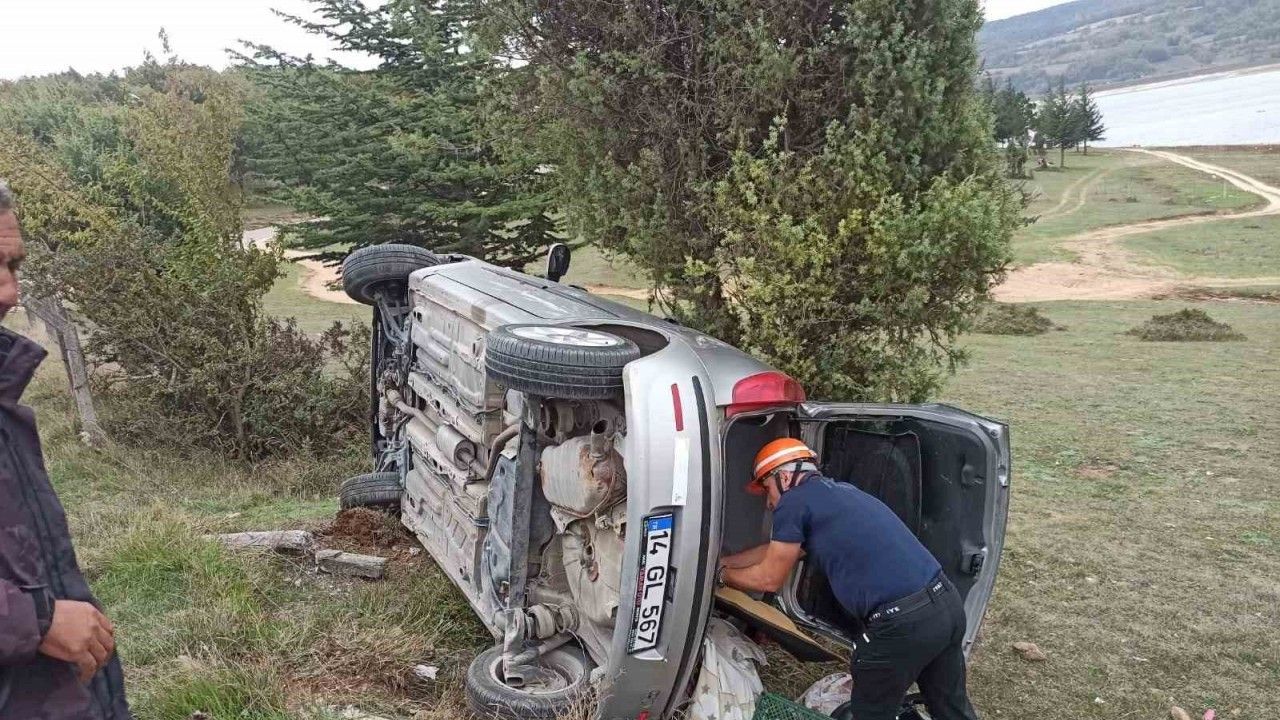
<point>1113,41</point>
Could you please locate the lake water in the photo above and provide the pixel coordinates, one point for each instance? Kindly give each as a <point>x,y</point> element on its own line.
<point>1241,108</point>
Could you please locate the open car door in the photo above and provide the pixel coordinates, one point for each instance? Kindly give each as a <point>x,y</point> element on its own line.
<point>944,471</point>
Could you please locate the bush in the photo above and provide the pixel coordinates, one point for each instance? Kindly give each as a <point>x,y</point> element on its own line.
<point>816,187</point>
<point>1185,325</point>
<point>146,251</point>
<point>1010,319</point>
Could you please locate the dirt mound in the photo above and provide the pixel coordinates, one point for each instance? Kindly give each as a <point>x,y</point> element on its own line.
<point>1009,319</point>
<point>365,530</point>
<point>1244,294</point>
<point>1188,324</point>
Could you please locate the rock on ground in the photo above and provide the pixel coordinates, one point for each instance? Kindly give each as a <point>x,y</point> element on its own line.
<point>1030,651</point>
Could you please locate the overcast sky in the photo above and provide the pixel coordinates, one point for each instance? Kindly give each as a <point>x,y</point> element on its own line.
<point>44,36</point>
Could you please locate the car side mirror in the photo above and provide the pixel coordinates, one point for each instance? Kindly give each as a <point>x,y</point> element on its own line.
<point>557,262</point>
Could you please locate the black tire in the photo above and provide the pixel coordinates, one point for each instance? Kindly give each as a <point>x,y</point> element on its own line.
<point>386,266</point>
<point>490,697</point>
<point>379,490</point>
<point>559,361</point>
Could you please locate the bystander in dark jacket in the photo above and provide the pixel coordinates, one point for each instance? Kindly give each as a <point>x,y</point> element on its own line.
<point>57,649</point>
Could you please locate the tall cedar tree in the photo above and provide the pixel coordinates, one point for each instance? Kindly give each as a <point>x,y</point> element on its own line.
<point>1090,117</point>
<point>814,182</point>
<point>396,154</point>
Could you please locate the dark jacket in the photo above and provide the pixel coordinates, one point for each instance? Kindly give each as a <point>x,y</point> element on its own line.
<point>38,565</point>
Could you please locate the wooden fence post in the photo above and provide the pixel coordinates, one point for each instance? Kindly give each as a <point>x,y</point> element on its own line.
<point>64,331</point>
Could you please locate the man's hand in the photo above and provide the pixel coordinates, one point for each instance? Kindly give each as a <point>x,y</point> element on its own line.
<point>81,635</point>
<point>772,570</point>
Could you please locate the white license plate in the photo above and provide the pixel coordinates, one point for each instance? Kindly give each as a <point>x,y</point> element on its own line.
<point>651,588</point>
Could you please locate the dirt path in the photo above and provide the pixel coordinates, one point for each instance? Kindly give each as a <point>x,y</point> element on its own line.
<point>1082,184</point>
<point>1106,271</point>
<point>316,278</point>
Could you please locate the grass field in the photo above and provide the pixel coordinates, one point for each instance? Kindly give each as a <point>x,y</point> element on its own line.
<point>1144,542</point>
<point>1117,188</point>
<point>589,266</point>
<point>1230,248</point>
<point>1261,162</point>
<point>287,299</point>
<point>1143,551</point>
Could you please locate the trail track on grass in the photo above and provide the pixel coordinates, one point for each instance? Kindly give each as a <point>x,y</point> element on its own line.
<point>1106,271</point>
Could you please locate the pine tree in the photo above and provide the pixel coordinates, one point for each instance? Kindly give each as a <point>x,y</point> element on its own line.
<point>814,182</point>
<point>1056,120</point>
<point>1013,111</point>
<point>1090,117</point>
<point>399,153</point>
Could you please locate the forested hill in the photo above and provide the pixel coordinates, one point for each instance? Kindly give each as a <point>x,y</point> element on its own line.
<point>1112,41</point>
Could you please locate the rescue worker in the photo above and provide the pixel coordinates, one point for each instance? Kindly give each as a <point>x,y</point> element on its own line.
<point>909,621</point>
<point>57,649</point>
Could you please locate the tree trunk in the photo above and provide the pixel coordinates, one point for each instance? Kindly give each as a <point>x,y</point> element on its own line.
<point>1086,147</point>
<point>1062,156</point>
<point>64,331</point>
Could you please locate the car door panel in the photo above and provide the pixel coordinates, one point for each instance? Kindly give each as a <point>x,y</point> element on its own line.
<point>944,472</point>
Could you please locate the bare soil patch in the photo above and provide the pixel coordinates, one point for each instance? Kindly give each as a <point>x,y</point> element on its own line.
<point>362,530</point>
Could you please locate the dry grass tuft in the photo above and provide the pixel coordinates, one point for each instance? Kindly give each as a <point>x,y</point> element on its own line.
<point>1012,319</point>
<point>1185,325</point>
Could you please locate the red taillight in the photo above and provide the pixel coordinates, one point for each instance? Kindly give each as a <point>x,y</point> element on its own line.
<point>762,390</point>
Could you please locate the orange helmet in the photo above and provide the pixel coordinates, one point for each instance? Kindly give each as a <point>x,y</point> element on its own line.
<point>774,455</point>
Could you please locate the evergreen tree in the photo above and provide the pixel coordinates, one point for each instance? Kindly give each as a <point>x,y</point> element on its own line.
<point>399,153</point>
<point>1089,117</point>
<point>1057,121</point>
<point>814,182</point>
<point>1013,112</point>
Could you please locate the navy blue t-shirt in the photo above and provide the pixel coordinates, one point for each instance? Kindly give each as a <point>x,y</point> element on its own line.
<point>868,555</point>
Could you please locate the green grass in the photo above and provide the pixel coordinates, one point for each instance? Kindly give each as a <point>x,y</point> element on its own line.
<point>264,215</point>
<point>1151,468</point>
<point>1261,162</point>
<point>1120,188</point>
<point>590,266</point>
<point>287,299</point>
<point>1230,248</point>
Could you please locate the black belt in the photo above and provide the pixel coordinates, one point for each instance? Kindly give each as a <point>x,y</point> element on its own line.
<point>914,601</point>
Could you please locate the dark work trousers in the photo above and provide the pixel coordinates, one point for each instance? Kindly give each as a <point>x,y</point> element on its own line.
<point>921,644</point>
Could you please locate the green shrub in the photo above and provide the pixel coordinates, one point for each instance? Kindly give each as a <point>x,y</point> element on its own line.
<point>142,241</point>
<point>819,187</point>
<point>1010,319</point>
<point>1185,325</point>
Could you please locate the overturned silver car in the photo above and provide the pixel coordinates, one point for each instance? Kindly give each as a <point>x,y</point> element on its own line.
<point>577,467</point>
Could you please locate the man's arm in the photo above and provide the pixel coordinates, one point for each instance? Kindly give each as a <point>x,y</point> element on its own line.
<point>31,622</point>
<point>20,627</point>
<point>770,572</point>
<point>746,558</point>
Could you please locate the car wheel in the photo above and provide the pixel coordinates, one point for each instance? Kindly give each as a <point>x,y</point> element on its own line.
<point>564,682</point>
<point>379,268</point>
<point>559,361</point>
<point>380,490</point>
